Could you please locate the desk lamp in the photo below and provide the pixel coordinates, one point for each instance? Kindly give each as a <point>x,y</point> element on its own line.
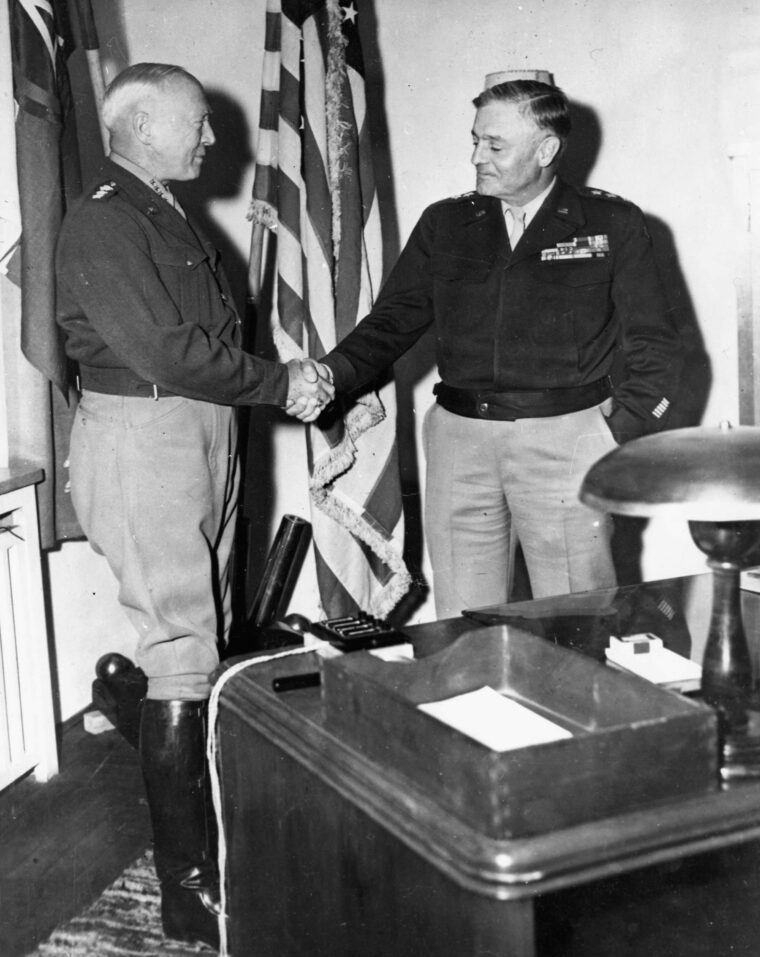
<point>711,478</point>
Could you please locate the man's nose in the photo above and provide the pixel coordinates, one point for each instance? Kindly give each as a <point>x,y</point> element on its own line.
<point>207,137</point>
<point>477,154</point>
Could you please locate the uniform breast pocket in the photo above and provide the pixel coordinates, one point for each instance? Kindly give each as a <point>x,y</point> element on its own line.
<point>575,294</point>
<point>462,295</point>
<point>186,274</point>
<point>448,268</point>
<point>583,275</point>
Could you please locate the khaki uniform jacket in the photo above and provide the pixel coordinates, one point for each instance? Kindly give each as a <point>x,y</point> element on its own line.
<point>581,284</point>
<point>140,289</point>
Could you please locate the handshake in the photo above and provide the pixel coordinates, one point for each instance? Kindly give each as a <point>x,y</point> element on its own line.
<point>310,389</point>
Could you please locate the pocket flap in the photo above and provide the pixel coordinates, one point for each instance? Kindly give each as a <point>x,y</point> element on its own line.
<point>186,257</point>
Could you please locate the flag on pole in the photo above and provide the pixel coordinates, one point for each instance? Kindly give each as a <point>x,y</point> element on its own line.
<point>47,175</point>
<point>314,186</point>
<point>10,211</point>
<point>47,165</point>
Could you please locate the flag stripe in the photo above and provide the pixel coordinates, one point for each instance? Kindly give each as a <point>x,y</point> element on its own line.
<point>269,115</point>
<point>272,28</point>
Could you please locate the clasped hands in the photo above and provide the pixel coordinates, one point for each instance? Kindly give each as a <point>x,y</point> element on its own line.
<point>310,389</point>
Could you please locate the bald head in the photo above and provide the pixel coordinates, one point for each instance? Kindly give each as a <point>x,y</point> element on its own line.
<point>158,117</point>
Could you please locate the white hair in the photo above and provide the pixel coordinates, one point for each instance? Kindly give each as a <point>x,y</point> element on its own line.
<point>135,84</point>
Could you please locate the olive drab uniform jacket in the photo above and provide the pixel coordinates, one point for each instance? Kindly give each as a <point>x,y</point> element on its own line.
<point>581,284</point>
<point>143,300</point>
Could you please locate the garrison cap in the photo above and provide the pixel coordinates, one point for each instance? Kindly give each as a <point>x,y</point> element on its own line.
<point>505,76</point>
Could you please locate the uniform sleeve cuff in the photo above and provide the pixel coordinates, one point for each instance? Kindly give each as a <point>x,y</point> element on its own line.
<point>341,372</point>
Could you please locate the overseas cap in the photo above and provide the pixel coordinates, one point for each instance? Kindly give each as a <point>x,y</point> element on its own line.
<point>504,76</point>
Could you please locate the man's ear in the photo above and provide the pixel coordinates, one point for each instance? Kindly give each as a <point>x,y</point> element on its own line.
<point>548,150</point>
<point>141,127</point>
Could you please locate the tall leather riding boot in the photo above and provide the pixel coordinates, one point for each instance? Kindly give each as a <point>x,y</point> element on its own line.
<point>173,759</point>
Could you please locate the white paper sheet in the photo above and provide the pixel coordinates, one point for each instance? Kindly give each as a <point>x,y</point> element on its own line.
<point>498,722</point>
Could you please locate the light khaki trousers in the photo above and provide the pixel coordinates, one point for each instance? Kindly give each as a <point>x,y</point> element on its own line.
<point>154,484</point>
<point>489,482</point>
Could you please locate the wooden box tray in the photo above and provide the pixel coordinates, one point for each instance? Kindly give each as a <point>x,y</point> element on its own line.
<point>632,745</point>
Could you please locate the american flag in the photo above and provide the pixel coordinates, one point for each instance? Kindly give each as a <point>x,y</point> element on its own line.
<point>314,186</point>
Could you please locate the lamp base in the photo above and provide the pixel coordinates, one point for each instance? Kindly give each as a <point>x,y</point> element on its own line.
<point>727,674</point>
<point>741,751</point>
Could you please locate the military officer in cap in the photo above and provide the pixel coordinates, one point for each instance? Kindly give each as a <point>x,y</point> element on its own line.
<point>530,285</point>
<point>150,323</point>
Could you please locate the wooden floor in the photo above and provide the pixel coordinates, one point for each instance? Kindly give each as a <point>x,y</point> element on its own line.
<point>62,843</point>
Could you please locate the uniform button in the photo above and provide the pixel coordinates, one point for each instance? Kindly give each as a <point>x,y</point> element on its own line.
<point>189,262</point>
<point>483,408</point>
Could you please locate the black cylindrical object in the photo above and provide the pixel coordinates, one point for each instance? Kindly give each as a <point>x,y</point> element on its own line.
<point>282,568</point>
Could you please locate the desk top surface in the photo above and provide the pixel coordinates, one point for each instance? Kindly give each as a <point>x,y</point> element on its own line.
<point>675,609</point>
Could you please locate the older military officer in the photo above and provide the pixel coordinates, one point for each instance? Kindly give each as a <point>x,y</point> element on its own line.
<point>530,286</point>
<point>150,324</point>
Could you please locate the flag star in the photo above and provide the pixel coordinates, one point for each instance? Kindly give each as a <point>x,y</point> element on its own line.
<point>350,13</point>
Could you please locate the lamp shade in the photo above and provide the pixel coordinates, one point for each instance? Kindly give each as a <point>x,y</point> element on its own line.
<point>698,474</point>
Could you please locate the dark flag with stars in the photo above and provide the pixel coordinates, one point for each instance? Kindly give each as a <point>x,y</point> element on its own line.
<point>315,187</point>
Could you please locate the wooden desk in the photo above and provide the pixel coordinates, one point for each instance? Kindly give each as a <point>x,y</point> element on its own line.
<point>332,854</point>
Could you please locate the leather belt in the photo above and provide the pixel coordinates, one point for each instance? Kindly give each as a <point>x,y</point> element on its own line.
<point>118,382</point>
<point>524,403</point>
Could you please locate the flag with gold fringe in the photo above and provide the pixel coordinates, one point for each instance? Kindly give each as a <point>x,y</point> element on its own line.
<point>314,186</point>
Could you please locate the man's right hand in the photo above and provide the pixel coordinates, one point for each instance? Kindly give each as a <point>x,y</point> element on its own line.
<point>309,390</point>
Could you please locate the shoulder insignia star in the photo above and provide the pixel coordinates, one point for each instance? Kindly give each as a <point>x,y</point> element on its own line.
<point>600,194</point>
<point>455,199</point>
<point>105,191</point>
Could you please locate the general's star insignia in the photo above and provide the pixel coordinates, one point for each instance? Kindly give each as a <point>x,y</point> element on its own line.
<point>106,189</point>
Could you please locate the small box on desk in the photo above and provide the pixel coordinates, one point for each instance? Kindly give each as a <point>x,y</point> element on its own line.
<point>632,744</point>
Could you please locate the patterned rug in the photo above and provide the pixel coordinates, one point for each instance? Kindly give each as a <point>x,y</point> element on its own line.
<point>123,922</point>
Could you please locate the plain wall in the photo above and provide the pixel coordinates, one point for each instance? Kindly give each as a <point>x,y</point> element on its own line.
<point>666,94</point>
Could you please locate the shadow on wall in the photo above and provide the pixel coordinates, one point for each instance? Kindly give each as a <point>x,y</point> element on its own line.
<point>690,399</point>
<point>583,146</point>
<point>224,170</point>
